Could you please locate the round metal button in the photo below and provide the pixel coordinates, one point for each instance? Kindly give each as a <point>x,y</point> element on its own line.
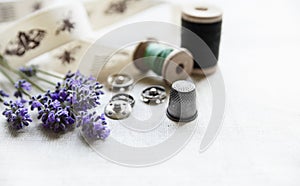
<point>125,97</point>
<point>118,109</point>
<point>120,82</point>
<point>154,95</point>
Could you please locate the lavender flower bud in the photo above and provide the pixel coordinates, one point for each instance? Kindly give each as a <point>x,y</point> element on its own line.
<point>2,95</point>
<point>29,71</point>
<point>21,86</point>
<point>16,115</point>
<point>93,126</point>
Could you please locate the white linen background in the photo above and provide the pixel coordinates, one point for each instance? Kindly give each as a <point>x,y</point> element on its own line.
<point>259,141</point>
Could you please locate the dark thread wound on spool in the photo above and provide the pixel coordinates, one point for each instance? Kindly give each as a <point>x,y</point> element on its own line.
<point>209,32</point>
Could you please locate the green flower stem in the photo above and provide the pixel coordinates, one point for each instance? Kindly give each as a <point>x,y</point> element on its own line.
<point>29,96</point>
<point>45,80</point>
<point>27,79</point>
<point>12,81</point>
<point>5,65</point>
<point>7,76</point>
<point>49,74</point>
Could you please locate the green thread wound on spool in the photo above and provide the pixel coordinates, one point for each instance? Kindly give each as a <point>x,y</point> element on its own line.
<point>155,56</point>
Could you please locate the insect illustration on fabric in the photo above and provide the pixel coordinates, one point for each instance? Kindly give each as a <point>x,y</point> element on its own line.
<point>37,6</point>
<point>118,7</point>
<point>25,41</point>
<point>67,56</point>
<point>65,25</point>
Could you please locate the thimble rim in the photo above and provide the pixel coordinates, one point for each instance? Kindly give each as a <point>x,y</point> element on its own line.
<point>177,119</point>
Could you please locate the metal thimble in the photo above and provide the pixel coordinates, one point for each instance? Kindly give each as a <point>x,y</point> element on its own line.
<point>182,103</point>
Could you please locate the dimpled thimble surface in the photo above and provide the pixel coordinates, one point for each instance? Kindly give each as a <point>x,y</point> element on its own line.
<point>182,103</point>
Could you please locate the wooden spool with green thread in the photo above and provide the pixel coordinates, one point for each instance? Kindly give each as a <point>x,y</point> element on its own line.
<point>170,63</point>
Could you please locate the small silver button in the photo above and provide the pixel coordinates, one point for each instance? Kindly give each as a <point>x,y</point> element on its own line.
<point>120,82</point>
<point>118,109</point>
<point>154,95</point>
<point>125,97</point>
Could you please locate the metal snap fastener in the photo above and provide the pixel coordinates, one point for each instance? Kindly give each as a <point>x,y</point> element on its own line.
<point>118,109</point>
<point>120,82</point>
<point>124,97</point>
<point>154,95</point>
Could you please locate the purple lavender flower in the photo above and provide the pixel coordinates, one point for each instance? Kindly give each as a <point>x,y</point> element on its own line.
<point>93,126</point>
<point>22,86</point>
<point>2,95</point>
<point>29,71</point>
<point>56,120</point>
<point>35,103</point>
<point>16,114</point>
<point>58,109</point>
<point>53,113</point>
<point>85,92</point>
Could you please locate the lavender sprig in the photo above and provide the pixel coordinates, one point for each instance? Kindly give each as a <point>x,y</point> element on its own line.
<point>22,86</point>
<point>84,92</point>
<point>16,114</point>
<point>75,94</point>
<point>59,109</point>
<point>29,71</point>
<point>3,95</point>
<point>93,126</point>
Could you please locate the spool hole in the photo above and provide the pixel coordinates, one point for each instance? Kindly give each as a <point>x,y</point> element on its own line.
<point>179,68</point>
<point>201,8</point>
